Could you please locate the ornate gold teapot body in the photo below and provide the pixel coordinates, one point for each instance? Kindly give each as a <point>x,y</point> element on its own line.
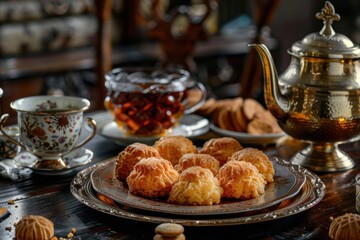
<point>317,98</point>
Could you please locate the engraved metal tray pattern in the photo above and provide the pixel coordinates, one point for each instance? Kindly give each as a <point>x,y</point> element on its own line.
<point>288,182</point>
<point>311,193</point>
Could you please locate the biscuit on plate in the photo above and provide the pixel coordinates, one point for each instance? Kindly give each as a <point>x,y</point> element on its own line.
<point>131,155</point>
<point>257,158</point>
<point>196,186</point>
<point>221,148</point>
<point>263,123</point>
<point>172,148</point>
<point>251,107</point>
<point>198,159</point>
<point>152,177</point>
<point>240,180</point>
<point>237,115</point>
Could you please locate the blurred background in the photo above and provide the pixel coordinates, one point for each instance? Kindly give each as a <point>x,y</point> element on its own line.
<point>64,47</point>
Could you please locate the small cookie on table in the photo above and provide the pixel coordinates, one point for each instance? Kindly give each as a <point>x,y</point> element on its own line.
<point>34,227</point>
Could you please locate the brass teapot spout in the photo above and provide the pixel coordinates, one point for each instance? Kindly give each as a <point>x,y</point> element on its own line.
<point>277,103</point>
<point>317,98</point>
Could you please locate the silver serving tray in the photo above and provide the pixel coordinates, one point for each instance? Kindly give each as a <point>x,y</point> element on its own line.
<point>311,193</point>
<point>288,181</point>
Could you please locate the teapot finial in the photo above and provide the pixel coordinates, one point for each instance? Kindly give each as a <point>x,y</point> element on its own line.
<point>328,15</point>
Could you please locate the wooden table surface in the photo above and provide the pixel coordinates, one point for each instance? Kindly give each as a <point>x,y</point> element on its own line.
<point>50,196</point>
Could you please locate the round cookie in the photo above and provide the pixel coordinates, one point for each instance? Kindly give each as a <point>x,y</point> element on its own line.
<point>224,120</point>
<point>34,227</point>
<point>237,115</point>
<point>264,122</point>
<point>345,227</point>
<point>208,107</point>
<point>251,107</point>
<point>169,229</point>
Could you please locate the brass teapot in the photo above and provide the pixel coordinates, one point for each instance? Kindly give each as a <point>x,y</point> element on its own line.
<point>317,98</point>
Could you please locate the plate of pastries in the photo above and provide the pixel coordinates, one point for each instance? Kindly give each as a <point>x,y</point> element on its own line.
<point>244,119</point>
<point>174,176</point>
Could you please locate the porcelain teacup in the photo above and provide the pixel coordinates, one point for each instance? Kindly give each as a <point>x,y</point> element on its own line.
<point>50,126</point>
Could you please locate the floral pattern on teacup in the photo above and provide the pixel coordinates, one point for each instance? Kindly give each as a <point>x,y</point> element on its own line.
<point>48,105</point>
<point>52,133</point>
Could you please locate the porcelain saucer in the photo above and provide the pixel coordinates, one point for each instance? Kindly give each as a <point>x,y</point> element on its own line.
<point>74,159</point>
<point>190,126</point>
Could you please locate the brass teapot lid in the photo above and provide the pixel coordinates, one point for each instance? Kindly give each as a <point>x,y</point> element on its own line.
<point>326,43</point>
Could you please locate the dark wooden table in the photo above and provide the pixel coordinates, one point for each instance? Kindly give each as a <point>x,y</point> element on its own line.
<point>51,197</point>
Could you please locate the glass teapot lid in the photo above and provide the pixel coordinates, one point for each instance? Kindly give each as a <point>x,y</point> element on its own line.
<point>326,43</point>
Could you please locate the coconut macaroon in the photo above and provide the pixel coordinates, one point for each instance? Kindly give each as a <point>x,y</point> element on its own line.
<point>221,148</point>
<point>196,186</point>
<point>241,180</point>
<point>131,155</point>
<point>172,148</point>
<point>257,158</point>
<point>198,159</point>
<point>34,227</point>
<point>152,177</point>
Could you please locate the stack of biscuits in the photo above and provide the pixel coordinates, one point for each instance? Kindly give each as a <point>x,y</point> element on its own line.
<point>240,115</point>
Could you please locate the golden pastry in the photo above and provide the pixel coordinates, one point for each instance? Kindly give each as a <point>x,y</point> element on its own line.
<point>198,159</point>
<point>152,177</point>
<point>345,227</point>
<point>221,148</point>
<point>131,155</point>
<point>259,159</point>
<point>207,108</point>
<point>172,148</point>
<point>34,227</point>
<point>241,180</point>
<point>196,186</point>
